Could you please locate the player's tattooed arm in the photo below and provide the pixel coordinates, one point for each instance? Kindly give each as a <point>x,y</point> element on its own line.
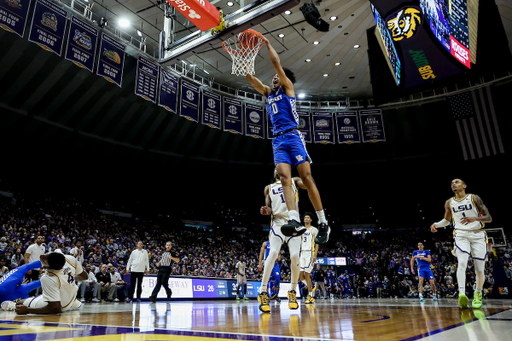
<point>484,217</point>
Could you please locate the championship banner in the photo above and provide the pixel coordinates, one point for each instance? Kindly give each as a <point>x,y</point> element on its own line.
<point>146,78</point>
<point>305,125</point>
<point>111,62</point>
<point>372,125</point>
<point>81,45</point>
<point>168,98</point>
<point>233,115</point>
<point>254,115</point>
<point>347,127</point>
<point>323,128</point>
<point>13,15</point>
<point>189,100</point>
<point>211,109</point>
<point>48,26</point>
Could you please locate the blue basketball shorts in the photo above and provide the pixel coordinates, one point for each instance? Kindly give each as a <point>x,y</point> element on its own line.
<point>426,273</point>
<point>290,148</point>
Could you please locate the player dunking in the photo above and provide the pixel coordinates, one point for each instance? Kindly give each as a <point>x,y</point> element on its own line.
<point>468,215</point>
<point>288,145</point>
<point>308,252</point>
<point>423,259</point>
<point>276,206</point>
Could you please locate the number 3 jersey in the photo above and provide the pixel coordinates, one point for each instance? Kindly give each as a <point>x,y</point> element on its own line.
<point>60,285</point>
<point>278,204</point>
<point>465,207</point>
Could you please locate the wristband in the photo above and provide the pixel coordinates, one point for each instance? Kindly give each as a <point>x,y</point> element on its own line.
<point>442,223</point>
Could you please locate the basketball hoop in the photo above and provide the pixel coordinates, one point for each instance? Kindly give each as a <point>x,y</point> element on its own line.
<point>243,49</point>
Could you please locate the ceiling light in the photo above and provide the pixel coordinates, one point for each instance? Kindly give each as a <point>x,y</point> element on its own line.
<point>333,18</point>
<point>357,46</point>
<point>139,33</point>
<point>280,35</point>
<point>308,60</point>
<point>123,23</point>
<point>326,75</point>
<point>316,42</point>
<point>206,72</point>
<point>337,64</point>
<point>287,12</point>
<point>302,95</point>
<point>230,3</point>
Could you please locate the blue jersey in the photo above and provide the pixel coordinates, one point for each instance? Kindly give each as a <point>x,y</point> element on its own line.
<point>422,264</point>
<point>282,111</point>
<point>11,287</point>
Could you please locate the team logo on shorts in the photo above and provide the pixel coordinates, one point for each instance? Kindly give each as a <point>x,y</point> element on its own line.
<point>299,158</point>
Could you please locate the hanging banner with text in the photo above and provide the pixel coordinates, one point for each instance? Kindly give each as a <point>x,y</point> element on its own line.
<point>13,15</point>
<point>111,62</point>
<point>347,127</point>
<point>146,78</point>
<point>81,45</point>
<point>323,127</point>
<point>233,115</point>
<point>189,101</point>
<point>48,26</point>
<point>305,125</point>
<point>270,131</point>
<point>372,125</point>
<point>168,98</point>
<point>254,115</point>
<point>211,109</point>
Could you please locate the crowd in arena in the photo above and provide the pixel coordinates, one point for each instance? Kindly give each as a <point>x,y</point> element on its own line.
<point>378,262</point>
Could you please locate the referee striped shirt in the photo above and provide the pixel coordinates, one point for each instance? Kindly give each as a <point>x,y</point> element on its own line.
<point>165,261</point>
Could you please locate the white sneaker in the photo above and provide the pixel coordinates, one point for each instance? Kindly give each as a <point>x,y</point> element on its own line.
<point>8,305</point>
<point>82,300</point>
<point>77,304</point>
<point>95,300</point>
<point>116,300</point>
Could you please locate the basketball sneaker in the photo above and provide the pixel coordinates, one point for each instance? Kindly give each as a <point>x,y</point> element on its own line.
<point>477,300</point>
<point>245,298</point>
<point>422,299</point>
<point>463,301</point>
<point>293,228</point>
<point>292,300</point>
<point>238,298</point>
<point>263,301</point>
<point>310,300</point>
<point>323,233</point>
<point>8,305</point>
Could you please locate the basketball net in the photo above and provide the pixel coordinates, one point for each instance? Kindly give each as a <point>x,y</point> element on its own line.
<point>243,49</point>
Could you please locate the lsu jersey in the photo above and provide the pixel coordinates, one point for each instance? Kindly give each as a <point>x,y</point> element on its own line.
<point>282,111</point>
<point>465,207</point>
<point>278,204</point>
<point>60,285</point>
<point>308,239</point>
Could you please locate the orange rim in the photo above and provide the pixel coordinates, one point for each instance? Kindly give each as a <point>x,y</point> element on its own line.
<point>246,31</point>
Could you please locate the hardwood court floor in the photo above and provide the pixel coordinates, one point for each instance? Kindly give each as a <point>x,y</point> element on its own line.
<point>357,319</point>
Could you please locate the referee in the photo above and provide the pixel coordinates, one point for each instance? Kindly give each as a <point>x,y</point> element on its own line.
<point>164,272</point>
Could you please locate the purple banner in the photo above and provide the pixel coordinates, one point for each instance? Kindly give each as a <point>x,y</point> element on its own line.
<point>372,125</point>
<point>189,101</point>
<point>323,127</point>
<point>81,46</point>
<point>13,15</point>
<point>48,26</point>
<point>168,98</point>
<point>254,118</point>
<point>146,79</point>
<point>347,127</point>
<point>111,62</point>
<point>233,115</point>
<point>305,125</point>
<point>204,288</point>
<point>211,109</point>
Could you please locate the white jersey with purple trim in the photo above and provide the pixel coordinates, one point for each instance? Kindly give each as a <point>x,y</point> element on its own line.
<point>60,285</point>
<point>465,207</point>
<point>278,204</point>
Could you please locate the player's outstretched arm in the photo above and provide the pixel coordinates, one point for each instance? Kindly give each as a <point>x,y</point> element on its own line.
<point>276,62</point>
<point>258,85</point>
<point>446,220</point>
<point>299,183</point>
<point>51,308</point>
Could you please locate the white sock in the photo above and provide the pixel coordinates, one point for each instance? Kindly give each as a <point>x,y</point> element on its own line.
<point>321,217</point>
<point>294,215</point>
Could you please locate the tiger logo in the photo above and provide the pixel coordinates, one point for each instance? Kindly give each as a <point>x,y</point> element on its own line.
<point>404,23</point>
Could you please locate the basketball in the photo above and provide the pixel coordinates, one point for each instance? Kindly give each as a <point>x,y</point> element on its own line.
<point>248,39</point>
